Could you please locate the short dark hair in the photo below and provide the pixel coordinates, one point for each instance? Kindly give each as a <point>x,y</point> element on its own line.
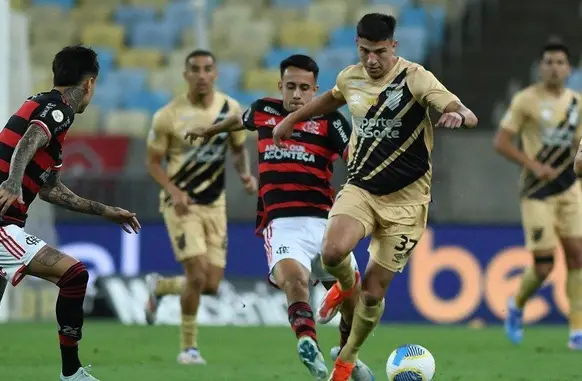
<point>300,61</point>
<point>376,27</point>
<point>555,44</point>
<point>199,53</point>
<point>73,64</point>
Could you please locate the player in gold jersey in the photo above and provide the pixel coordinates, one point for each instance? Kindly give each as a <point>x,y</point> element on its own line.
<point>389,173</point>
<point>192,198</point>
<point>546,117</point>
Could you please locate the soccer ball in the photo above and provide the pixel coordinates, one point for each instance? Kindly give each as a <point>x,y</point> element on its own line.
<point>410,362</point>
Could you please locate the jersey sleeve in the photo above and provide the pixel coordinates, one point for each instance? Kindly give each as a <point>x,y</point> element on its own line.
<point>237,138</point>
<point>248,118</point>
<point>48,117</point>
<point>159,135</point>
<point>339,133</point>
<point>338,89</point>
<point>428,90</point>
<point>514,117</point>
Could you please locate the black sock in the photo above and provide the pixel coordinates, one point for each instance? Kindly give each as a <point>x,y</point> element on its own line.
<point>345,330</point>
<point>301,320</point>
<point>73,285</point>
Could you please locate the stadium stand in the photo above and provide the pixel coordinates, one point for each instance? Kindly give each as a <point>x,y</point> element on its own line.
<point>142,44</point>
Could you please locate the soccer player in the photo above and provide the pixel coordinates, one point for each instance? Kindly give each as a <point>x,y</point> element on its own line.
<point>30,161</point>
<point>546,117</point>
<point>389,173</point>
<point>295,196</point>
<point>192,198</point>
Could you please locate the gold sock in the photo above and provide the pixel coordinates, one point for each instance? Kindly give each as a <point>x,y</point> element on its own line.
<point>529,285</point>
<point>344,273</point>
<point>574,292</point>
<point>366,318</point>
<point>170,286</point>
<point>189,332</point>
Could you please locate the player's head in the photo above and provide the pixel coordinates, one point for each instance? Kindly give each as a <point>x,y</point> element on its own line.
<point>77,67</point>
<point>298,83</point>
<point>555,63</point>
<point>200,72</point>
<point>376,43</point>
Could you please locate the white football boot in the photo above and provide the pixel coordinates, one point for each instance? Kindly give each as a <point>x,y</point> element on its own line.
<point>151,307</point>
<point>191,356</point>
<point>81,375</point>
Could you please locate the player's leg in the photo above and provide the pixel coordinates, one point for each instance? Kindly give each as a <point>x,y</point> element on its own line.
<point>569,223</point>
<point>538,220</point>
<point>400,228</point>
<point>351,219</point>
<point>289,256</point>
<point>215,226</point>
<point>3,284</point>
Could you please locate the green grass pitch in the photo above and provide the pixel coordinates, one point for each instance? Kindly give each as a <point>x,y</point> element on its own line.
<point>120,353</point>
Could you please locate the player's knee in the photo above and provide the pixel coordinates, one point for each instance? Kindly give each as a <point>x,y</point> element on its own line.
<point>210,289</point>
<point>332,253</point>
<point>295,287</point>
<point>75,278</point>
<point>543,265</point>
<point>196,281</point>
<point>371,297</point>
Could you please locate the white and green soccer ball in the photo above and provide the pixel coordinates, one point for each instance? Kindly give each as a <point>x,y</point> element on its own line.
<point>410,362</point>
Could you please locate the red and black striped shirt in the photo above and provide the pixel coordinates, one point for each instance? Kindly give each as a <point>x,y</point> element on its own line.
<point>50,112</point>
<point>295,181</point>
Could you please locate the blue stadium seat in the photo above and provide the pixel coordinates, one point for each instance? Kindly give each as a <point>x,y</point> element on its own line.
<point>337,58</point>
<point>158,35</point>
<point>291,3</point>
<point>229,74</point>
<point>412,16</point>
<point>130,15</point>
<point>326,80</point>
<point>274,57</point>
<point>247,98</point>
<point>436,25</point>
<point>106,61</point>
<point>413,43</point>
<point>107,97</point>
<point>66,4</point>
<point>131,81</point>
<point>181,14</point>
<point>343,36</point>
<point>149,101</point>
<point>575,80</point>
<point>394,3</point>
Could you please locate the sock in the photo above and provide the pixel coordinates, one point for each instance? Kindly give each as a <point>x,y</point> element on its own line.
<point>189,332</point>
<point>574,292</point>
<point>344,273</point>
<point>344,329</point>
<point>366,318</point>
<point>170,286</point>
<point>301,320</point>
<point>73,285</point>
<point>529,285</point>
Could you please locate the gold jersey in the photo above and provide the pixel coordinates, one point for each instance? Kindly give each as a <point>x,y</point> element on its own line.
<point>198,167</point>
<point>392,137</point>
<point>549,129</point>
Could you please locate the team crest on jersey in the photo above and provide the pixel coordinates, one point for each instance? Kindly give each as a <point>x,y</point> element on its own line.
<point>58,116</point>
<point>311,126</point>
<point>393,98</point>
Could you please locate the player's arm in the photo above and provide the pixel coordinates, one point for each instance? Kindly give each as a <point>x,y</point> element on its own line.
<point>229,124</point>
<point>468,118</point>
<point>240,154</point>
<point>56,193</point>
<point>578,161</point>
<point>339,134</point>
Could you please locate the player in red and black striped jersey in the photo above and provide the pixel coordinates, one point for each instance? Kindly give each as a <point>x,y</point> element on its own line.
<point>295,196</point>
<point>30,160</point>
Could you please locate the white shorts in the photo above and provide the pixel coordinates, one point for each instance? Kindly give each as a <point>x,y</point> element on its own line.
<point>17,249</point>
<point>298,238</point>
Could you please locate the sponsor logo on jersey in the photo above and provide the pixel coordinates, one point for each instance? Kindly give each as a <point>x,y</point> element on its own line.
<point>270,110</point>
<point>58,116</point>
<point>378,128</point>
<point>337,124</point>
<point>291,151</point>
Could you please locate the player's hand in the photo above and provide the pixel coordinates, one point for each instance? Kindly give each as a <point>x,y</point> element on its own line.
<point>125,218</point>
<point>195,132</point>
<point>249,183</point>
<point>10,191</point>
<point>545,172</point>
<point>180,202</point>
<point>450,120</point>
<point>281,132</point>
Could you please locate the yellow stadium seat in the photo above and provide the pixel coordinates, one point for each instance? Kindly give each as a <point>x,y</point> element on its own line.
<point>103,35</point>
<point>256,5</point>
<point>303,34</point>
<point>167,78</point>
<point>108,3</point>
<point>261,80</point>
<point>45,14</point>
<point>63,33</point>
<point>86,123</point>
<point>42,54</point>
<point>189,38</point>
<point>140,59</point>
<point>177,58</point>
<point>41,74</point>
<point>19,4</point>
<point>279,16</point>
<point>91,13</point>
<point>331,13</point>
<point>261,33</point>
<point>225,16</point>
<point>375,8</point>
<point>158,4</point>
<point>127,122</point>
<point>42,86</point>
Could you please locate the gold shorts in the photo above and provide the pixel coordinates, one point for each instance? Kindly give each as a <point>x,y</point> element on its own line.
<point>545,221</point>
<point>395,229</point>
<point>201,232</point>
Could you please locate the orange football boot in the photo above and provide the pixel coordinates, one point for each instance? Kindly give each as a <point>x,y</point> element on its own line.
<point>342,371</point>
<point>333,299</point>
